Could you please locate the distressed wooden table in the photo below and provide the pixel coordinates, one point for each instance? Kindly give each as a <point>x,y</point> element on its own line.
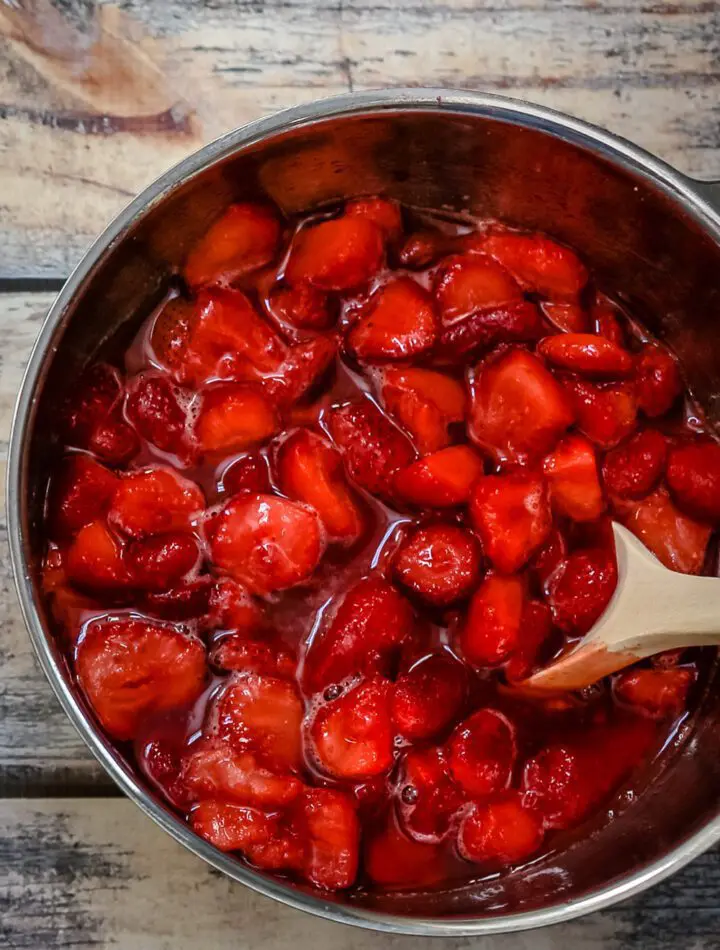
<point>95,100</point>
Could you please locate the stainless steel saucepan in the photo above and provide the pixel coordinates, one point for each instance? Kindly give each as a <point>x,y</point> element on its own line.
<point>646,230</point>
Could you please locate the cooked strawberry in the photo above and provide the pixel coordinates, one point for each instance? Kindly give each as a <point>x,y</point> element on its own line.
<point>658,693</point>
<point>675,539</point>
<point>212,769</point>
<point>587,354</point>
<point>693,477</point>
<point>384,212</point>
<point>232,827</point>
<point>231,607</point>
<point>363,636</point>
<point>501,831</point>
<point>303,307</point>
<point>267,543</point>
<point>440,563</point>
<point>515,322</point>
<point>159,562</point>
<point>443,479</point>
<point>236,652</point>
<point>153,501</point>
<point>539,264</point>
<point>130,669</point>
<point>261,714</point>
<point>352,736</point>
<point>568,317</point>
<point>549,557</point>
<point>113,440</point>
<point>535,631</point>
<point>160,755</point>
<point>243,239</point>
<point>332,831</point>
<point>421,248</point>
<point>605,414</point>
<point>171,332</point>
<point>512,516</point>
<point>153,406</point>
<point>372,448</point>
<point>572,474</point>
<point>310,470</point>
<point>248,474</point>
<point>428,799</point>
<point>606,318</point>
<point>635,467</point>
<point>564,781</point>
<point>465,283</point>
<point>492,627</point>
<point>95,561</point>
<point>425,403</point>
<point>580,590</point>
<point>98,390</point>
<point>80,492</point>
<point>657,380</point>
<point>481,752</point>
<point>392,859</point>
<point>399,323</point>
<point>233,417</point>
<point>518,409</point>
<point>188,601</point>
<point>428,698</point>
<point>340,254</point>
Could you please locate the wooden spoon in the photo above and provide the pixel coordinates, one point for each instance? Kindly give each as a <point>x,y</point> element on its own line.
<point>653,609</point>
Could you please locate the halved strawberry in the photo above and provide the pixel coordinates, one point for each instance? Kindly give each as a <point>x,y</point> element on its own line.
<point>500,831</point>
<point>515,322</point>
<point>212,769</point>
<point>580,590</point>
<point>398,323</point>
<point>363,636</point>
<point>372,448</point>
<point>605,414</point>
<point>95,561</point>
<point>302,306</point>
<point>658,693</point>
<point>440,563</point>
<point>332,831</point>
<point>384,212</point>
<point>232,827</point>
<point>535,631</point>
<point>170,333</point>
<point>231,607</point>
<point>657,380</point>
<point>155,410</point>
<point>428,698</point>
<point>392,859</point>
<point>244,238</point>
<point>80,492</point>
<point>310,470</point>
<point>465,283</point>
<point>518,409</point>
<point>635,467</point>
<point>443,479</point>
<point>568,317</point>
<point>693,477</point>
<point>674,538</point>
<point>428,799</point>
<point>261,714</point>
<point>130,669</point>
<point>113,440</point>
<point>159,752</point>
<point>572,474</point>
<point>481,752</point>
<point>340,254</point>
<point>549,557</point>
<point>98,390</point>
<point>153,501</point>
<point>267,543</point>
<point>305,364</point>
<point>492,627</point>
<point>160,561</point>
<point>247,474</point>
<point>233,417</point>
<point>539,264</point>
<point>352,736</point>
<point>425,403</point>
<point>512,516</point>
<point>587,354</point>
<point>237,652</point>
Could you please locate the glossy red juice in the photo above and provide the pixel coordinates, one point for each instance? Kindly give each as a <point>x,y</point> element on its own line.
<point>338,497</point>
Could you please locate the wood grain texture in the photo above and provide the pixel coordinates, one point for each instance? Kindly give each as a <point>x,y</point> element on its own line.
<point>76,143</point>
<point>98,874</point>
